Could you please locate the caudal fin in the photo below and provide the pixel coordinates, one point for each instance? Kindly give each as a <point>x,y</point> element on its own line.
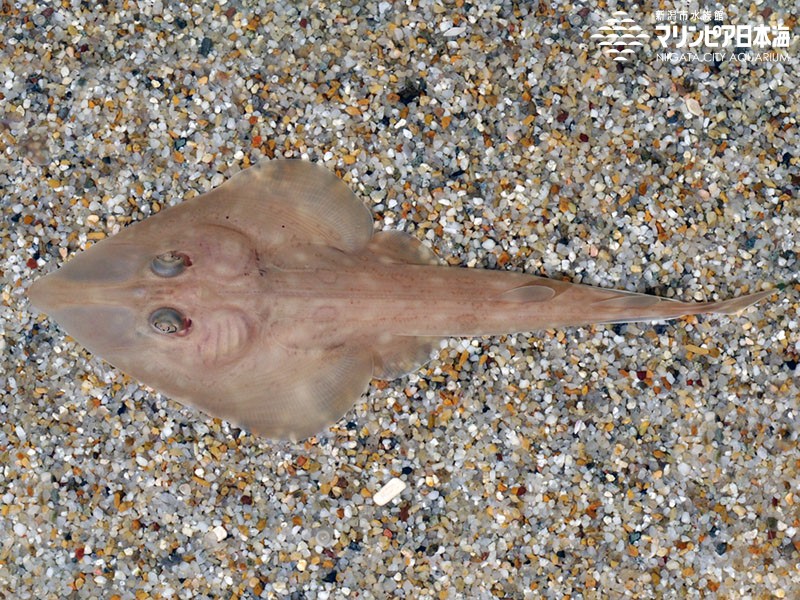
<point>627,307</point>
<point>734,305</point>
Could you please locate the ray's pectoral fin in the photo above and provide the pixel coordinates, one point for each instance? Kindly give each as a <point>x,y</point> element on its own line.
<point>292,396</point>
<point>294,202</point>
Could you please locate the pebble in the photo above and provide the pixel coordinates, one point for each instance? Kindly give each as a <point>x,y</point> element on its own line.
<point>219,532</point>
<point>389,492</point>
<point>594,461</point>
<point>324,537</point>
<point>693,106</point>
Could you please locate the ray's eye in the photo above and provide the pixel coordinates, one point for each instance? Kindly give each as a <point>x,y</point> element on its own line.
<point>169,321</point>
<point>170,264</point>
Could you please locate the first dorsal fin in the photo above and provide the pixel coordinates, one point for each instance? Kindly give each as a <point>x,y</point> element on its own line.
<point>533,292</point>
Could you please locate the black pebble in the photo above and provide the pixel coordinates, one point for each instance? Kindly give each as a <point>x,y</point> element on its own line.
<point>411,91</point>
<point>205,46</point>
<point>330,577</point>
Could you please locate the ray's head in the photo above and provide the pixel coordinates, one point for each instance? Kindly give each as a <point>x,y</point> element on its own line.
<point>144,299</point>
<point>96,295</point>
<point>183,301</point>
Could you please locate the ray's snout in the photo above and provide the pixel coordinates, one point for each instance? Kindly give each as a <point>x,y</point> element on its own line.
<point>43,294</point>
<point>93,297</point>
<point>92,277</point>
<point>93,311</point>
<point>63,288</point>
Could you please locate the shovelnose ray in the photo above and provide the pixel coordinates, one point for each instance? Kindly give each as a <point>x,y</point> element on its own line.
<point>270,302</point>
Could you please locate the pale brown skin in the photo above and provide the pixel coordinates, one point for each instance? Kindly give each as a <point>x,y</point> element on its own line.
<point>286,304</point>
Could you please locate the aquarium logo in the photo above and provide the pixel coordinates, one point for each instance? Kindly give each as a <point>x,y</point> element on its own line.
<point>620,37</point>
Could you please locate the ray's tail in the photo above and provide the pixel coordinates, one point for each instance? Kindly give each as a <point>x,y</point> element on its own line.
<point>627,307</point>
<point>734,305</point>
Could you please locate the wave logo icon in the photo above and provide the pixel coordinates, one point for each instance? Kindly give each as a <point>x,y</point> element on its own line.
<point>620,37</point>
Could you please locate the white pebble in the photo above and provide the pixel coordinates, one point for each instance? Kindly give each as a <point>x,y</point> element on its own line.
<point>390,491</point>
<point>219,532</point>
<point>454,31</point>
